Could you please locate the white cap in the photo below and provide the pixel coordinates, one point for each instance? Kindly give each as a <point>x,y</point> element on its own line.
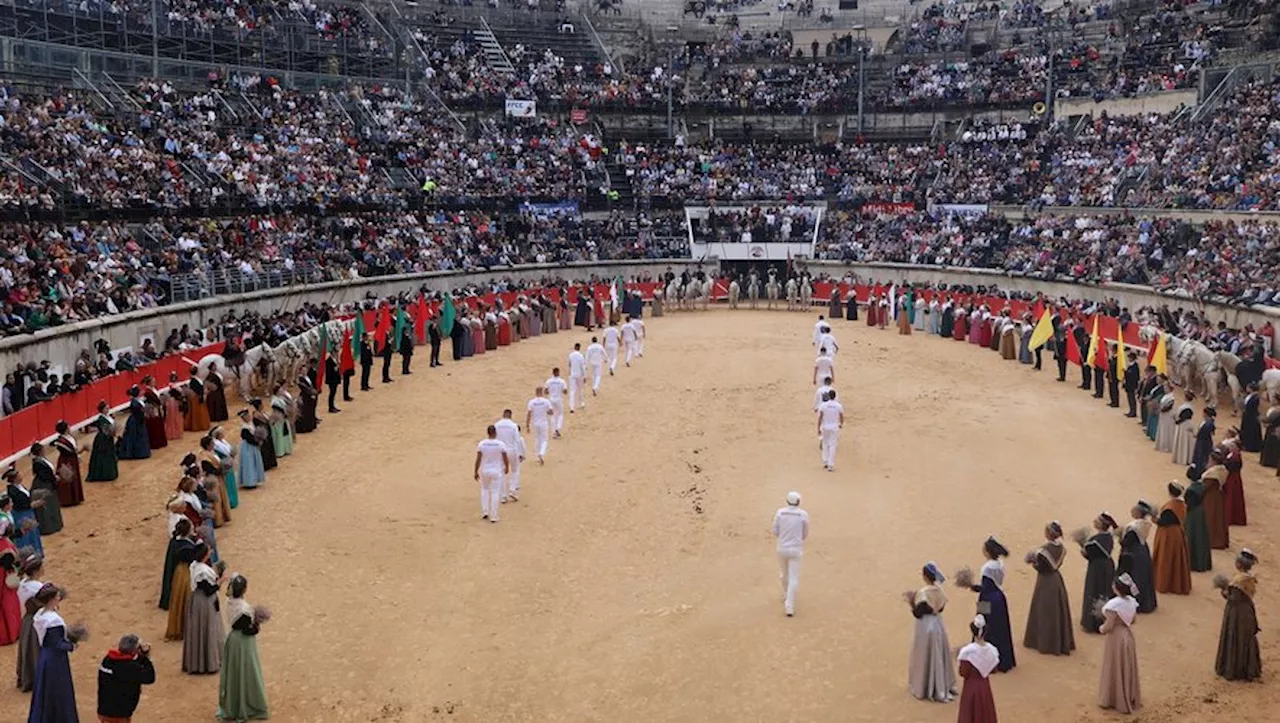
<point>793,498</point>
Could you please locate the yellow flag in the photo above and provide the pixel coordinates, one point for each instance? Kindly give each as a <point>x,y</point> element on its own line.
<point>1042,332</point>
<point>1160,359</point>
<point>1094,341</point>
<point>1120,352</point>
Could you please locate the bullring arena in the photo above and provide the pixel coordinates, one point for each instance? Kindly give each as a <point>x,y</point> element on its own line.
<point>635,579</point>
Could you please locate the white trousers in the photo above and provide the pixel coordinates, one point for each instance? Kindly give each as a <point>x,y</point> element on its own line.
<point>511,482</point>
<point>640,346</point>
<point>577,388</point>
<point>490,492</point>
<point>631,352</point>
<point>611,356</point>
<point>830,437</point>
<point>789,575</point>
<point>540,438</point>
<point>596,371</point>
<point>557,414</point>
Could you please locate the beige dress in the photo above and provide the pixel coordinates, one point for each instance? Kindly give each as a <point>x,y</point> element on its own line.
<point>930,674</point>
<point>1119,686</point>
<point>1184,439</point>
<point>1165,428</point>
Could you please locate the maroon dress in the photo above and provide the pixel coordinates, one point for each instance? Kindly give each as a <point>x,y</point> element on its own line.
<point>154,416</point>
<point>1233,490</point>
<point>70,482</point>
<point>976,702</point>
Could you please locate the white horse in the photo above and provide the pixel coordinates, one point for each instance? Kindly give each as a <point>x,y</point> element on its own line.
<point>771,290</point>
<point>673,295</point>
<point>793,295</point>
<point>806,293</point>
<point>734,292</point>
<point>708,288</point>
<point>1270,386</point>
<point>1229,362</point>
<point>753,291</point>
<point>1194,366</point>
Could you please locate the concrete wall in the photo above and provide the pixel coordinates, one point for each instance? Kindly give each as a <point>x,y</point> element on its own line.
<point>63,344</point>
<point>1161,102</point>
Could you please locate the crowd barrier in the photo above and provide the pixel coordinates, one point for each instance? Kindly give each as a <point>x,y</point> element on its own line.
<point>36,423</point>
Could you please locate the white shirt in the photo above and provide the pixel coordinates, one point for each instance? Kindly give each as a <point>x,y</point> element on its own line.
<point>817,331</point>
<point>829,412</point>
<point>628,332</point>
<point>818,396</point>
<point>791,527</point>
<point>611,336</point>
<point>595,355</point>
<point>540,408</point>
<point>639,326</point>
<point>556,388</point>
<point>577,364</point>
<point>828,342</point>
<point>491,451</point>
<point>509,435</point>
<point>825,366</point>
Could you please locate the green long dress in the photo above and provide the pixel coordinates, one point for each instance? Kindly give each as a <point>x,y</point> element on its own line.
<point>242,695</point>
<point>1197,529</point>
<point>103,465</point>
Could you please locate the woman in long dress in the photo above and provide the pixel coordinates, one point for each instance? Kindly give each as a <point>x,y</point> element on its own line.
<point>211,467</point>
<point>1167,426</point>
<point>1135,556</point>
<point>25,506</point>
<point>1233,485</point>
<point>281,430</point>
<point>977,661</point>
<point>1198,549</point>
<point>180,545</point>
<point>1049,627</point>
<point>1215,509</point>
<point>993,605</point>
<point>960,329</point>
<point>134,443</point>
<point>203,634</point>
<point>930,675</point>
<point>1251,420</point>
<point>67,470</point>
<point>262,429</point>
<point>44,491</point>
<point>180,587</point>
<point>1119,687</point>
<point>252,472</point>
<point>215,395</point>
<point>53,695</point>
<point>308,397</point>
<point>1239,657</point>
<point>904,321</point>
<point>28,644</point>
<point>175,410</point>
<point>1101,573</point>
<point>197,419</point>
<point>1204,439</point>
<point>242,695</point>
<point>227,458</point>
<point>1151,403</point>
<point>1184,435</point>
<point>1170,557</point>
<point>103,466</point>
<point>10,564</point>
<point>153,415</point>
<point>1270,456</point>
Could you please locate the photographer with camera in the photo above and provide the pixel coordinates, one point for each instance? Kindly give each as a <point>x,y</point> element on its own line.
<point>121,675</point>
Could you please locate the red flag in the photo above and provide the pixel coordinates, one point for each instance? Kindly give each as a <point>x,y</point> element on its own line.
<point>420,319</point>
<point>347,361</point>
<point>1038,310</point>
<point>1073,350</point>
<point>383,326</point>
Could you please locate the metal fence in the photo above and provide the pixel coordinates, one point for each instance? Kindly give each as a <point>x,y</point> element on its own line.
<point>217,282</point>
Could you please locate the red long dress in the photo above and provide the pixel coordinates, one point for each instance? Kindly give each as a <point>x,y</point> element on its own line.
<point>10,608</point>
<point>960,330</point>
<point>1233,490</point>
<point>70,481</point>
<point>871,311</point>
<point>977,705</point>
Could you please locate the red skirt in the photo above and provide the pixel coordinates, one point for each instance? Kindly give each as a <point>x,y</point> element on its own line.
<point>871,313</point>
<point>1233,499</point>
<point>504,333</point>
<point>478,335</point>
<point>976,702</point>
<point>958,331</point>
<point>70,488</point>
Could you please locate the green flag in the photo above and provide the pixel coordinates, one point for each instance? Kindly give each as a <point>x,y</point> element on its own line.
<point>357,334</point>
<point>447,316</point>
<point>324,353</point>
<point>402,320</point>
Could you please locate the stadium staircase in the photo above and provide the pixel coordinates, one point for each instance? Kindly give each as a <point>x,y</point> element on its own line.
<point>494,54</point>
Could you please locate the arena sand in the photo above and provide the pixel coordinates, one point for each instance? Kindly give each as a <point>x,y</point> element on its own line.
<point>635,580</point>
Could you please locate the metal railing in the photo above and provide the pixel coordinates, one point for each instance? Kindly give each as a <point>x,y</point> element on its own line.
<point>216,282</point>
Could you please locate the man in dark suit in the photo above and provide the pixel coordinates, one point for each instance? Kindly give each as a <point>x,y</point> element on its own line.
<point>455,338</point>
<point>1132,378</point>
<point>406,350</point>
<point>1109,373</point>
<point>434,336</point>
<point>1082,343</point>
<point>386,361</point>
<point>332,377</point>
<point>1146,389</point>
<point>1059,347</point>
<point>366,361</point>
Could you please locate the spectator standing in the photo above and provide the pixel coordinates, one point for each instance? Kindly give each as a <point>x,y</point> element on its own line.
<point>121,675</point>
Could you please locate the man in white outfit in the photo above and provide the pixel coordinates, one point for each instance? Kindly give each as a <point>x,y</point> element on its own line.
<point>791,527</point>
<point>817,328</point>
<point>491,465</point>
<point>509,434</point>
<point>821,396</point>
<point>830,421</point>
<point>538,420</point>
<point>556,389</point>
<point>611,336</point>
<point>638,324</point>
<point>827,341</point>
<point>824,367</point>
<point>595,360</point>
<point>577,379</point>
<point>629,340</point>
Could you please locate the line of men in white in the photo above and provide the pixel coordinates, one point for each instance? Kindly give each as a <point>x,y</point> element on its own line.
<point>791,523</point>
<point>500,454</point>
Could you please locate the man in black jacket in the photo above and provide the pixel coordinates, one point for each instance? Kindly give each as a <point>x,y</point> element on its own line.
<point>1132,378</point>
<point>386,361</point>
<point>434,336</point>
<point>1082,343</point>
<point>332,378</point>
<point>455,337</point>
<point>366,361</point>
<point>121,676</point>
<point>406,350</point>
<point>1113,375</point>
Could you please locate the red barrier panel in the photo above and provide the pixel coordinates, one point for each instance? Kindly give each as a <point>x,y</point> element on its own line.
<point>48,414</point>
<point>79,406</point>
<point>24,427</point>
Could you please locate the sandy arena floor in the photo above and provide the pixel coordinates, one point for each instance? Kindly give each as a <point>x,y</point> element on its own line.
<point>635,580</point>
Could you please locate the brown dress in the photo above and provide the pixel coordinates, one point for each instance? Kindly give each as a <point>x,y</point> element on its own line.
<point>70,485</point>
<point>1238,655</point>
<point>1170,557</point>
<point>197,413</point>
<point>1119,686</point>
<point>977,705</point>
<point>1049,626</point>
<point>1215,507</point>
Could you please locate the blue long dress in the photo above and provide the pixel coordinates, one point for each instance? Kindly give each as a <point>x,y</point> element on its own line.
<point>134,443</point>
<point>229,473</point>
<point>22,512</point>
<point>252,472</point>
<point>53,699</point>
<point>995,607</point>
